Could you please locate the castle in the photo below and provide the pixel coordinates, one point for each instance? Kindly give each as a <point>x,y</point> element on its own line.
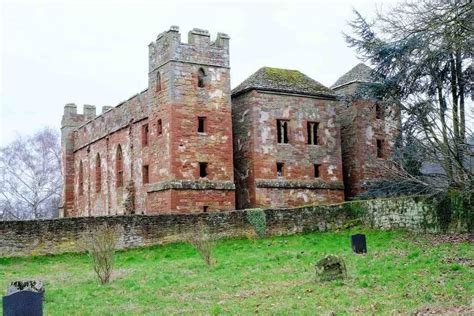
<point>189,144</point>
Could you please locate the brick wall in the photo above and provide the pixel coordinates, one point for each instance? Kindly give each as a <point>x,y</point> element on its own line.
<point>37,237</point>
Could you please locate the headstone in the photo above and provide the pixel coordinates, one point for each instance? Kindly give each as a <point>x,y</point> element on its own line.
<point>23,303</point>
<point>331,268</point>
<point>358,243</point>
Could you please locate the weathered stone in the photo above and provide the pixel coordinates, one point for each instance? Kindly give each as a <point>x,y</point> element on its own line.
<point>26,285</point>
<point>330,268</point>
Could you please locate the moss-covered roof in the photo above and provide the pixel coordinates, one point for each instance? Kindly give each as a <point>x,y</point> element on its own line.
<point>359,73</point>
<point>282,80</point>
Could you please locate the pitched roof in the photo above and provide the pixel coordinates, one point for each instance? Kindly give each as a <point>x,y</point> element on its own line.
<point>360,73</point>
<point>282,80</point>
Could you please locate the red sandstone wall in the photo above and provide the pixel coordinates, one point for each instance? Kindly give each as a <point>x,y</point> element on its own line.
<point>259,125</point>
<point>360,131</point>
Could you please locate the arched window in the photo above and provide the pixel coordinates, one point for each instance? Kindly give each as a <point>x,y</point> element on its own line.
<point>81,179</point>
<point>98,174</point>
<point>158,81</point>
<point>201,78</point>
<point>119,167</point>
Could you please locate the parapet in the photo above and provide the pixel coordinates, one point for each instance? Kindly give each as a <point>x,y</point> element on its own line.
<point>72,119</point>
<point>199,48</point>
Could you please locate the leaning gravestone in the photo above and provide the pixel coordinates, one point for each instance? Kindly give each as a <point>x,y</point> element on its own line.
<point>24,298</point>
<point>331,268</point>
<point>358,243</point>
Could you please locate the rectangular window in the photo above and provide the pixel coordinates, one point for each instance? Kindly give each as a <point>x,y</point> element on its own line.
<point>159,128</point>
<point>282,131</point>
<point>145,135</point>
<point>205,208</point>
<point>312,133</point>
<point>201,124</point>
<point>203,169</point>
<point>145,175</point>
<point>378,111</point>
<point>317,170</point>
<point>280,166</point>
<point>380,145</point>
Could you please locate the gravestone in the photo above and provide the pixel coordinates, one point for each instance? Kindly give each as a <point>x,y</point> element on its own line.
<point>331,268</point>
<point>358,243</point>
<point>23,303</point>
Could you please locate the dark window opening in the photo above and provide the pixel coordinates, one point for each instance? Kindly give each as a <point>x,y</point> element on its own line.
<point>317,170</point>
<point>378,111</point>
<point>159,127</point>
<point>81,179</point>
<point>380,145</point>
<point>282,131</point>
<point>158,82</point>
<point>280,166</point>
<point>203,169</point>
<point>201,78</point>
<point>313,133</point>
<point>145,175</point>
<point>201,124</point>
<point>145,135</point>
<point>98,174</point>
<point>119,167</point>
<point>205,208</point>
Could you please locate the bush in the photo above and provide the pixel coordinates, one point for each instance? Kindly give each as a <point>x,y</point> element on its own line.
<point>204,244</point>
<point>257,218</point>
<point>101,247</point>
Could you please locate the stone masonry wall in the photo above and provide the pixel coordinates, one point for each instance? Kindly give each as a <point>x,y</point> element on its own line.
<point>257,151</point>
<point>38,237</point>
<point>360,130</point>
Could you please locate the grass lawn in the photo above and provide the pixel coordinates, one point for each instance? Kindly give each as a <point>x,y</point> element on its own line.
<point>401,273</point>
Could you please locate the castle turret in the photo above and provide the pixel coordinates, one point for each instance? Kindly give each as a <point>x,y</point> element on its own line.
<point>189,85</point>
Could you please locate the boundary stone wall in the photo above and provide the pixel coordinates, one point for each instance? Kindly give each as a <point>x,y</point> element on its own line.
<point>42,237</point>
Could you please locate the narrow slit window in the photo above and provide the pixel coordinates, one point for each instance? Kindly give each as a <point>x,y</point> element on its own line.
<point>313,133</point>
<point>378,111</point>
<point>205,208</point>
<point>145,135</point>
<point>203,169</point>
<point>380,148</point>
<point>282,131</point>
<point>98,174</point>
<point>201,78</point>
<point>201,124</point>
<point>119,167</point>
<point>145,174</point>
<point>81,179</point>
<point>158,82</point>
<point>159,127</point>
<point>317,170</point>
<point>280,166</point>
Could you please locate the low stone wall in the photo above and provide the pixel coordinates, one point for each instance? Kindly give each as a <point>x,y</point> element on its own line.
<point>39,237</point>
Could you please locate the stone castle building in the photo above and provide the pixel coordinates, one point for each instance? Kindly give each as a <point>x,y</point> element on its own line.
<point>189,144</point>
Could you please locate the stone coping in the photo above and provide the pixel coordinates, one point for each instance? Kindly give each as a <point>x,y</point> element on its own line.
<point>295,184</point>
<point>191,185</point>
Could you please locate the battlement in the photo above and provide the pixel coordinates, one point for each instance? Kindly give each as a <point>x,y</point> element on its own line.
<point>199,48</point>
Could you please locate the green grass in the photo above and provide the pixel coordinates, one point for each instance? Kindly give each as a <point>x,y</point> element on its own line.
<point>400,273</point>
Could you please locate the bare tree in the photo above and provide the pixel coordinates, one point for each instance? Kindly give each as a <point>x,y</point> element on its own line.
<point>30,177</point>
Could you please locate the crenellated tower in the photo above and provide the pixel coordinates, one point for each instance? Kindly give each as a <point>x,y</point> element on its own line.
<point>189,93</point>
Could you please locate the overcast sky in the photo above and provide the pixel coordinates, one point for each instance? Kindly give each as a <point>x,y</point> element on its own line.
<point>96,52</point>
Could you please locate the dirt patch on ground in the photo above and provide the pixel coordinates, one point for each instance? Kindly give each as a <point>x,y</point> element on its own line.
<point>436,239</point>
<point>455,310</point>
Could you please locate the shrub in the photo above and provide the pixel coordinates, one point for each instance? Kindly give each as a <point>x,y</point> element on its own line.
<point>101,247</point>
<point>204,244</point>
<point>257,218</point>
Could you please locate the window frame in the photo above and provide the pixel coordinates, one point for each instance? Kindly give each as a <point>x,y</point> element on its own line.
<point>283,125</point>
<point>314,137</point>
